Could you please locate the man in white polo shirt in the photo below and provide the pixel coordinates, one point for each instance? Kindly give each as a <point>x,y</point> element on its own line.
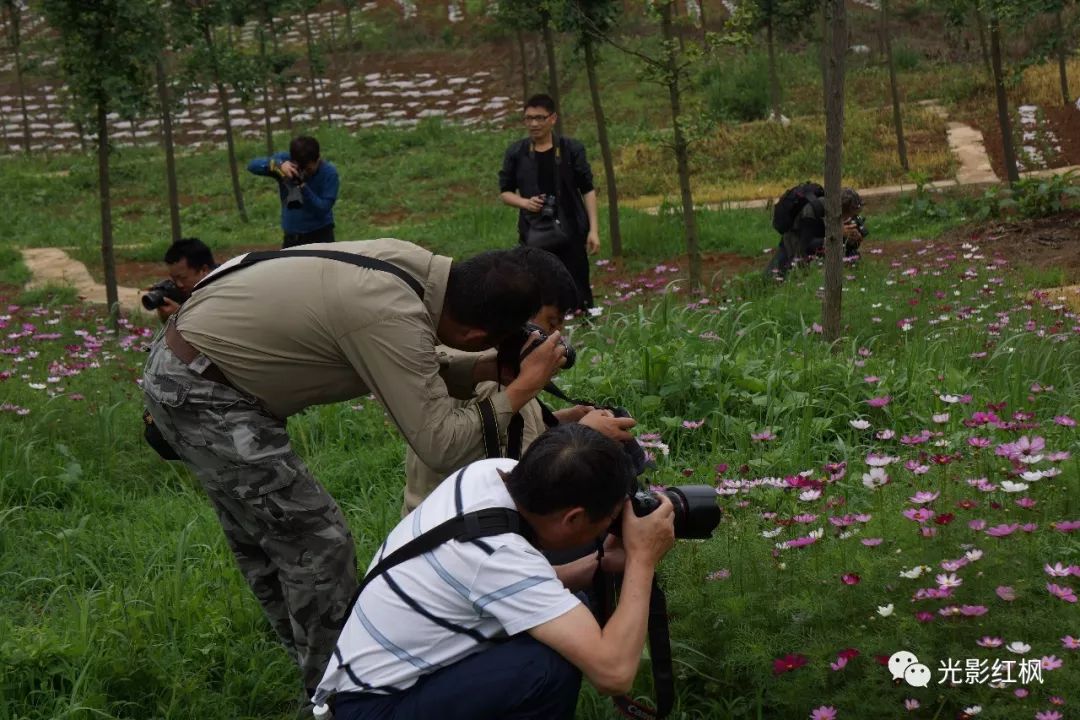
<point>487,629</point>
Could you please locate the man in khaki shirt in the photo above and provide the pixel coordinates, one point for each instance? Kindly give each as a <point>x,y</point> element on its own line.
<point>258,343</point>
<point>558,298</point>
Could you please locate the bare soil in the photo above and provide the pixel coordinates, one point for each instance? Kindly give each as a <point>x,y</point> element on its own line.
<point>1063,121</point>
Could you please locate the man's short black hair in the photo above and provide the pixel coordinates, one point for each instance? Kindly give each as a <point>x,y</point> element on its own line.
<point>541,100</point>
<point>569,466</point>
<point>495,291</point>
<point>557,286</point>
<point>303,150</point>
<point>193,250</point>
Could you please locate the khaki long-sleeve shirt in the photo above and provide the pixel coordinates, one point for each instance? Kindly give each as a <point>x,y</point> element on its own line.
<point>295,332</point>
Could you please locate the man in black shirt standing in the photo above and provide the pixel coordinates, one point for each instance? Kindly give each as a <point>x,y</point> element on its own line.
<point>543,166</point>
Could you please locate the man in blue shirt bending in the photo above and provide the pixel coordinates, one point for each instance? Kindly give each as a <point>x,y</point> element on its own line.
<point>308,186</point>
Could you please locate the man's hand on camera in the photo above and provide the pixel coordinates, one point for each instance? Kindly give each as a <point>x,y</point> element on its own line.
<point>851,232</point>
<point>167,308</point>
<point>533,204</point>
<point>290,169</point>
<point>605,423</point>
<point>572,415</point>
<point>537,369</point>
<point>614,560</point>
<point>647,539</point>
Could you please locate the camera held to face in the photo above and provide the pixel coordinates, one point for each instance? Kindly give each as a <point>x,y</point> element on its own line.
<point>156,295</point>
<point>514,348</point>
<point>294,198</point>
<point>696,511</point>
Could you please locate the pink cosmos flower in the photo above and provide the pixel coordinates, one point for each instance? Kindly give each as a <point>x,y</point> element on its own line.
<point>871,542</point>
<point>875,460</point>
<point>977,524</point>
<point>923,496</point>
<point>1003,530</point>
<point>919,515</point>
<point>973,610</point>
<point>885,434</point>
<point>989,642</point>
<point>721,574</point>
<point>871,379</point>
<point>1064,421</point>
<point>1006,593</point>
<point>823,713</point>
<point>1070,643</point>
<point>978,442</point>
<point>1026,503</point>
<point>693,424</point>
<point>950,580</point>
<point>878,402</point>
<point>850,578</point>
<point>1066,526</point>
<point>1050,662</point>
<point>911,704</point>
<point>1021,693</point>
<point>1059,570</point>
<point>763,436</point>
<point>1062,592</point>
<point>1048,715</point>
<point>1029,527</point>
<point>924,617</point>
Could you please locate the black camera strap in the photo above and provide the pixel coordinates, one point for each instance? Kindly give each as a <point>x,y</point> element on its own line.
<point>659,648</point>
<point>352,258</point>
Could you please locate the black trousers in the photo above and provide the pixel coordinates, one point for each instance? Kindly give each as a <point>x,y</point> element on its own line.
<point>576,260</point>
<point>322,235</point>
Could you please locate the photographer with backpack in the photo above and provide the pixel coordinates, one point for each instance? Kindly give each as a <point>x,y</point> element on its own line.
<point>799,217</point>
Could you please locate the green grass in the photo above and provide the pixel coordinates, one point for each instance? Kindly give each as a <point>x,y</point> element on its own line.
<point>120,598</point>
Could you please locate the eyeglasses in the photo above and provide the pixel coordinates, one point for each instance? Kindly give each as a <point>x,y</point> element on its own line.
<point>535,119</point>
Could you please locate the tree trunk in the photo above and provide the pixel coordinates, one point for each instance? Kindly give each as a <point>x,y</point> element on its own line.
<point>834,165</point>
<point>1062,72</point>
<point>898,121</point>
<point>524,65</point>
<point>774,76</point>
<point>311,67</point>
<point>682,149</point>
<point>22,99</point>
<point>605,149</point>
<point>282,86</point>
<point>348,23</point>
<point>980,23</point>
<point>553,72</point>
<point>268,128</point>
<point>223,98</point>
<point>167,140</point>
<point>1004,121</point>
<point>112,296</point>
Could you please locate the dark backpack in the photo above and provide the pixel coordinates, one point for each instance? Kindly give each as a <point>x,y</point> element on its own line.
<point>792,202</point>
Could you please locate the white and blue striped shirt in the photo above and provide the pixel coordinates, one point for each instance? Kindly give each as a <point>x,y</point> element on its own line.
<point>434,610</point>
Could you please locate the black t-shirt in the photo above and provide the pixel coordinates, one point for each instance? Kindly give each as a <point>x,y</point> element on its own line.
<point>545,172</point>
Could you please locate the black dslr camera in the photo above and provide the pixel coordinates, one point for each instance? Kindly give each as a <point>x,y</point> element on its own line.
<point>513,348</point>
<point>696,511</point>
<point>155,296</point>
<point>860,225</point>
<point>294,198</point>
<point>548,211</point>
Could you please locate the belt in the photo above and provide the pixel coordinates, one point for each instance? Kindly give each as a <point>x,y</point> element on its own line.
<point>187,353</point>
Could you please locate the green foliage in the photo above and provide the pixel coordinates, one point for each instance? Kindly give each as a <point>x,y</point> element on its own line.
<point>1041,197</point>
<point>12,269</point>
<point>906,57</point>
<point>738,89</point>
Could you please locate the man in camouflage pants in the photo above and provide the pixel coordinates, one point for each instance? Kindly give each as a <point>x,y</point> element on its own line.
<point>258,342</point>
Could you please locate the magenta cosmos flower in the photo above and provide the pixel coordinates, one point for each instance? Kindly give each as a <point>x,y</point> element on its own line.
<point>1062,592</point>
<point>823,713</point>
<point>1006,593</point>
<point>1003,530</point>
<point>879,402</point>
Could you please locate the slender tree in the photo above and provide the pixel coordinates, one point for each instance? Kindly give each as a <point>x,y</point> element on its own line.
<point>196,21</point>
<point>106,50</point>
<point>552,64</point>
<point>13,12</point>
<point>997,10</point>
<point>599,15</point>
<point>165,105</point>
<point>313,63</point>
<point>836,21</point>
<point>894,90</point>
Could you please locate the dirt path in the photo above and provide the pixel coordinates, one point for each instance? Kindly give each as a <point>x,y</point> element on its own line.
<point>53,266</point>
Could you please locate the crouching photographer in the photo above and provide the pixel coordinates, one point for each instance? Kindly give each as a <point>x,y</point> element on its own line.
<point>188,260</point>
<point>450,625</point>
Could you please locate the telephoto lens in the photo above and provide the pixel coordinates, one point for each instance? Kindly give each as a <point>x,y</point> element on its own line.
<point>696,511</point>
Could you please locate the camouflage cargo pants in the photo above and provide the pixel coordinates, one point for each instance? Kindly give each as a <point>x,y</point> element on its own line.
<point>289,537</point>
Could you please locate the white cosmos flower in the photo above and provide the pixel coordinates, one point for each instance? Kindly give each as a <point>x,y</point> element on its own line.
<point>810,495</point>
<point>859,424</point>
<point>913,572</point>
<point>973,555</point>
<point>885,610</point>
<point>816,534</point>
<point>771,533</point>
<point>973,710</point>
<point>950,399</point>
<point>875,478</point>
<point>1018,646</point>
<point>1030,476</point>
<point>1013,487</point>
